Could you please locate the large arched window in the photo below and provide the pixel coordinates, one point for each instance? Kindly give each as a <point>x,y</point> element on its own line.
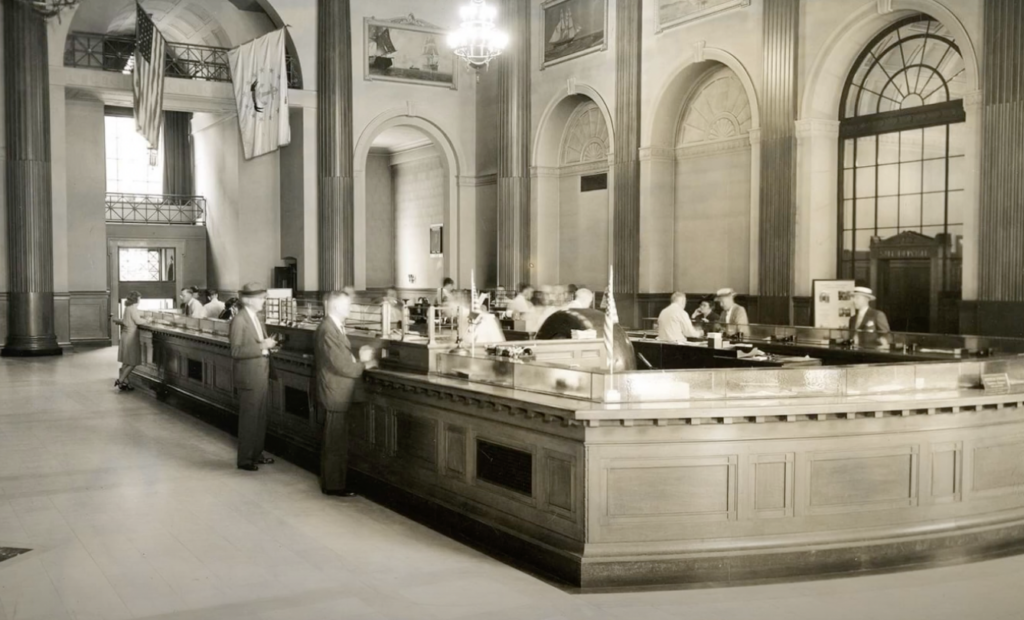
<point>901,154</point>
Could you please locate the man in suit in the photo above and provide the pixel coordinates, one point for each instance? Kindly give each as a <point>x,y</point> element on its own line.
<point>250,354</point>
<point>733,314</point>
<point>674,323</point>
<point>868,327</point>
<point>338,373</point>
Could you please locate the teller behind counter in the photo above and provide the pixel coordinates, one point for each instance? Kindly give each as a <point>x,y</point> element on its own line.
<point>869,327</point>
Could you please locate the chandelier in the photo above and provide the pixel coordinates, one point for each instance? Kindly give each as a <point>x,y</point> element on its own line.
<point>50,8</point>
<point>478,41</point>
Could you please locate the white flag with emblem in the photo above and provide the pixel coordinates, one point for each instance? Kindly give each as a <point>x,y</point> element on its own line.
<point>260,79</point>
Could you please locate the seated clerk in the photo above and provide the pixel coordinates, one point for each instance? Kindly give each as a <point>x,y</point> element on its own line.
<point>733,314</point>
<point>674,323</point>
<point>867,320</point>
<point>705,313</point>
<point>444,294</point>
<point>521,305</point>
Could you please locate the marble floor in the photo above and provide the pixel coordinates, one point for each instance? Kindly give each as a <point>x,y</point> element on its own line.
<point>134,510</point>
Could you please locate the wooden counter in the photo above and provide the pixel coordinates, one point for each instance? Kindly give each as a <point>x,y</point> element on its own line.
<point>602,495</point>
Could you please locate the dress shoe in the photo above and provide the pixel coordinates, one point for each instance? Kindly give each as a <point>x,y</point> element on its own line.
<point>265,460</point>
<point>249,467</point>
<point>341,493</point>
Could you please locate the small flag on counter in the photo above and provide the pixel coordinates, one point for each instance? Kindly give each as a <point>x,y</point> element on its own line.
<point>260,78</point>
<point>611,317</point>
<point>148,78</point>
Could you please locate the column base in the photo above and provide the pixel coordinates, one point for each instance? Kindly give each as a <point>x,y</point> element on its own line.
<point>14,351</point>
<point>30,330</point>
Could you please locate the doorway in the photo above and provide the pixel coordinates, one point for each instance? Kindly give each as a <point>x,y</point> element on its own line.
<point>152,267</point>
<point>904,293</point>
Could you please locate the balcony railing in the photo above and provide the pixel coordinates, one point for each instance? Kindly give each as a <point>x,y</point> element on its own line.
<point>86,50</point>
<point>156,209</point>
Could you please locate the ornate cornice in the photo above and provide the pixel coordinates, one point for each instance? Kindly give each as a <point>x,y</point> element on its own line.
<point>657,153</point>
<point>544,172</point>
<point>702,149</point>
<point>480,181</point>
<point>589,167</point>
<point>816,128</point>
<point>407,20</point>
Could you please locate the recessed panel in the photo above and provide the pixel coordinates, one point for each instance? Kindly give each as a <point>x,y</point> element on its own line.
<point>998,467</point>
<point>681,490</point>
<point>559,482</point>
<point>865,480</point>
<point>416,438</point>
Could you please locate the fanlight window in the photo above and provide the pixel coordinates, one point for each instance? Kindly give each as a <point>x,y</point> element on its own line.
<point>914,64</point>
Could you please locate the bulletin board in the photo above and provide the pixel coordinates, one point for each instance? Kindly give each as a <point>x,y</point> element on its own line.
<point>833,303</point>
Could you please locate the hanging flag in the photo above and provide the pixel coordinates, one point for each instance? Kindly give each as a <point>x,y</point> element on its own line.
<point>611,317</point>
<point>148,78</point>
<point>260,78</point>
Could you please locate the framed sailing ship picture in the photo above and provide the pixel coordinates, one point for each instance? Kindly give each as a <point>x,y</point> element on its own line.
<point>409,50</point>
<point>574,28</point>
<point>674,12</point>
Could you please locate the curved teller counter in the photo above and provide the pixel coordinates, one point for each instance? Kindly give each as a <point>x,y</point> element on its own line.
<point>709,474</point>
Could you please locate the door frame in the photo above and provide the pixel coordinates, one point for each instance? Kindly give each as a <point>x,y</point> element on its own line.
<point>113,245</point>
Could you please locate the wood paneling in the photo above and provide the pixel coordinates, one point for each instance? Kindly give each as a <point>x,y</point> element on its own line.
<point>778,148</point>
<point>678,489</point>
<point>856,481</point>
<point>89,316</point>
<point>335,196</point>
<point>999,467</point>
<point>947,472</point>
<point>773,485</point>
<point>456,451</point>
<point>514,147</point>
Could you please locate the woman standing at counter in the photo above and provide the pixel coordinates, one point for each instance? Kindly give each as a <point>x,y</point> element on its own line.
<point>129,353</point>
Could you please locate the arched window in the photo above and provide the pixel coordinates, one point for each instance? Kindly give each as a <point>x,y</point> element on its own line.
<point>902,149</point>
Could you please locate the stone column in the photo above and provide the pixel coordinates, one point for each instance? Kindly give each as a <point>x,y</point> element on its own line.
<point>777,234</point>
<point>514,147</point>
<point>335,194</point>
<point>626,224</point>
<point>29,199</point>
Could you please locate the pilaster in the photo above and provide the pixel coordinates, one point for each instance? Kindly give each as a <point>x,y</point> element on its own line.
<point>626,224</point>
<point>335,195</point>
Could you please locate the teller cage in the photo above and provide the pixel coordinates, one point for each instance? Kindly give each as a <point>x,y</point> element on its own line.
<point>787,454</point>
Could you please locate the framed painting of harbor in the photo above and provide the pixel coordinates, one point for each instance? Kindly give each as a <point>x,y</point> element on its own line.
<point>409,50</point>
<point>674,12</point>
<point>574,28</point>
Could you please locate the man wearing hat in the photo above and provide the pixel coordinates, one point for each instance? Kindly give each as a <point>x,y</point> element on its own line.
<point>867,319</point>
<point>250,354</point>
<point>732,313</point>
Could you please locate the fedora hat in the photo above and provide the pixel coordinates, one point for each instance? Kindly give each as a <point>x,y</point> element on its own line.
<point>725,292</point>
<point>252,289</point>
<point>864,291</point>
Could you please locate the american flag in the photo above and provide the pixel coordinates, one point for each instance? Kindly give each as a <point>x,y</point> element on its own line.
<point>611,317</point>
<point>148,78</point>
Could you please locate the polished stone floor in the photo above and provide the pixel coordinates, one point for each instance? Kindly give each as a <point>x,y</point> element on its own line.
<point>134,510</point>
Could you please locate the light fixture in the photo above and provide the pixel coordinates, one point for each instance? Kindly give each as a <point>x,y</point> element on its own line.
<point>51,8</point>
<point>478,41</point>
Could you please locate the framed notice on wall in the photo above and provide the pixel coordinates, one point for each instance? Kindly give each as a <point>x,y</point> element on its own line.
<point>833,303</point>
<point>437,240</point>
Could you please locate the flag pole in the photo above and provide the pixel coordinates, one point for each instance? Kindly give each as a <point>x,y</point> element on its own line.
<point>610,319</point>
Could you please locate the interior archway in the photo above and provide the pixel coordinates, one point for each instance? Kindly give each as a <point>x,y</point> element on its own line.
<point>572,193</point>
<point>419,155</point>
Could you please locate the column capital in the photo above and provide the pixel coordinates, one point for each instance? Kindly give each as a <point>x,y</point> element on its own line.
<point>810,128</point>
<point>755,137</point>
<point>657,153</point>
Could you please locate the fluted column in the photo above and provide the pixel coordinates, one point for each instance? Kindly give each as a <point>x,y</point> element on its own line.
<point>514,146</point>
<point>29,198</point>
<point>626,226</point>
<point>1001,217</point>
<point>335,197</point>
<point>777,226</point>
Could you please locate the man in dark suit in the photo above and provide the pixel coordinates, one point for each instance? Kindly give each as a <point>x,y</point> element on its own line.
<point>868,327</point>
<point>250,354</point>
<point>338,374</point>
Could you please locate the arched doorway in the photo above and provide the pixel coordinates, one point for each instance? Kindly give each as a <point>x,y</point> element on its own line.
<point>902,170</point>
<point>572,192</point>
<point>406,164</point>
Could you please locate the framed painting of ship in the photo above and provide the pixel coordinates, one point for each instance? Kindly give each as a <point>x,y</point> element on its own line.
<point>574,28</point>
<point>409,50</point>
<point>674,12</point>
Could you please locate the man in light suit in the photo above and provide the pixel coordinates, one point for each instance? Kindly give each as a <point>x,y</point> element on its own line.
<point>338,373</point>
<point>250,355</point>
<point>733,314</point>
<point>868,327</point>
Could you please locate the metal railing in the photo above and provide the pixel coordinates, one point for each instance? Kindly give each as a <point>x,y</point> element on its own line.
<point>87,50</point>
<point>156,209</point>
